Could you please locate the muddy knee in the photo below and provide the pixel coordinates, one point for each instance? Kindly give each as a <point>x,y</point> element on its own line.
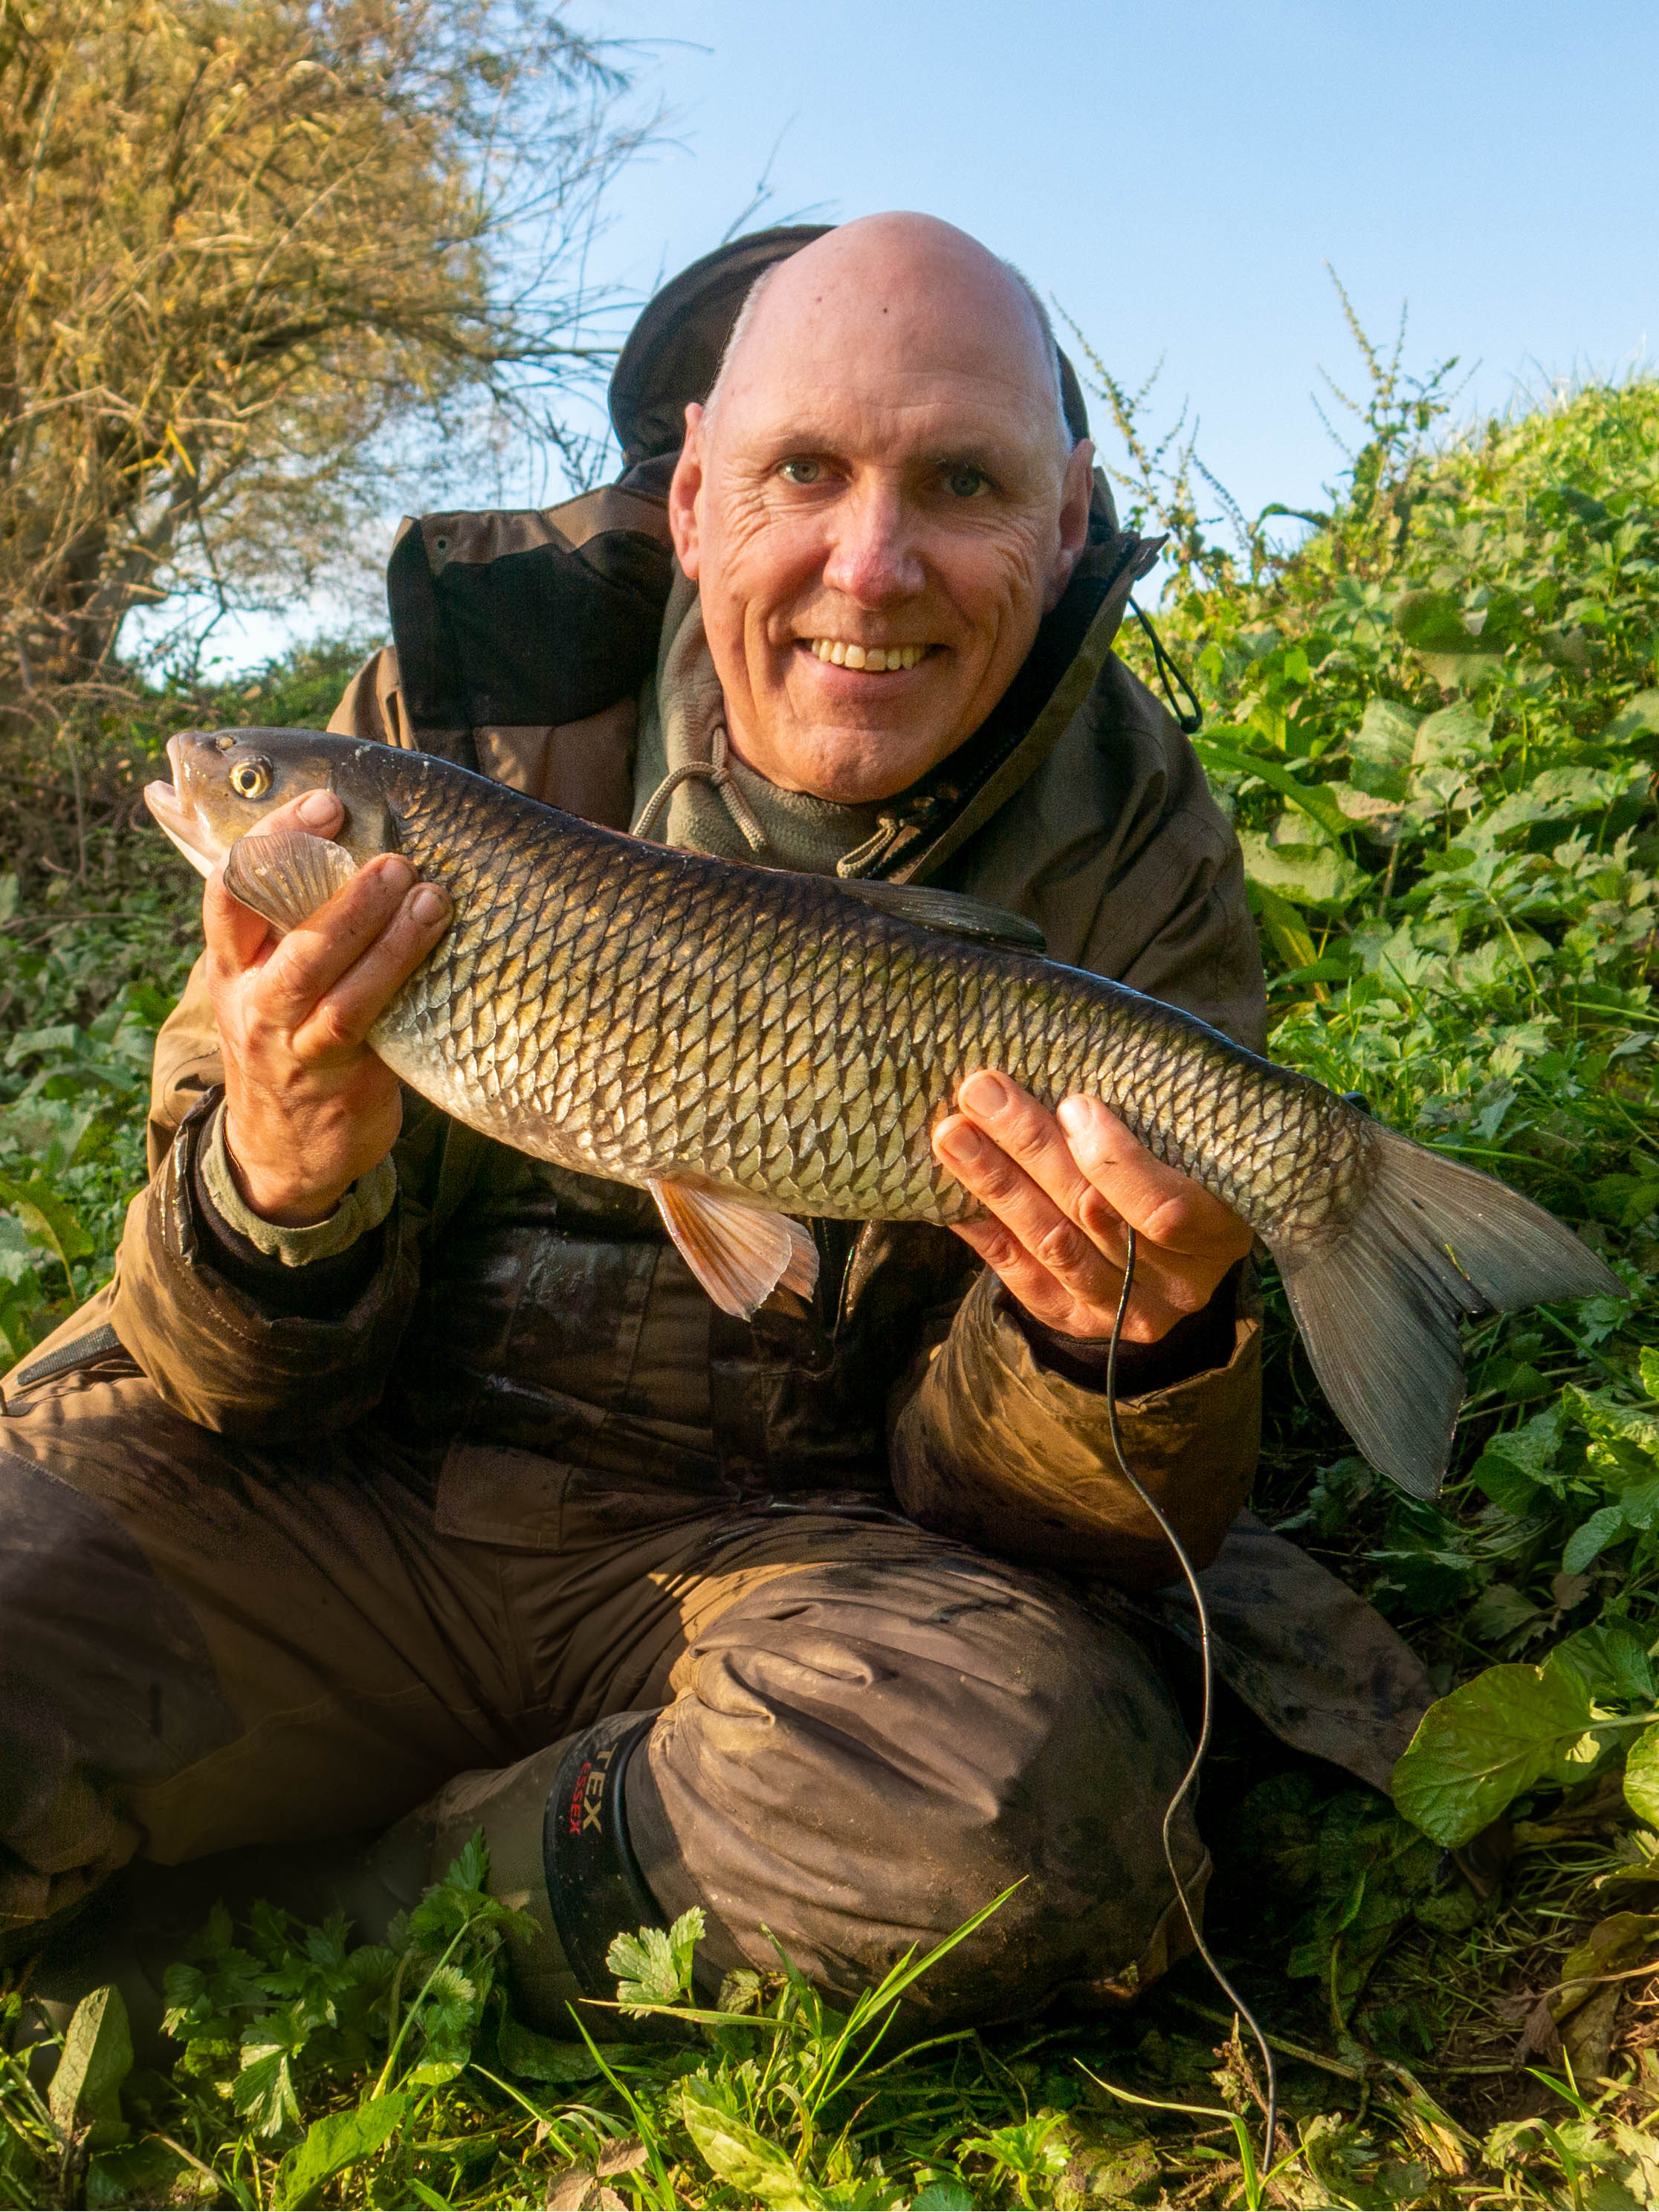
<point>861,1757</point>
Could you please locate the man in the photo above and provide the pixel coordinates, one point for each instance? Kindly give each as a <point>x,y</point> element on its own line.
<point>399,1471</point>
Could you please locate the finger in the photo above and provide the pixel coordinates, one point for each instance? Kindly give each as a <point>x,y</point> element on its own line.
<point>312,959</point>
<point>234,932</point>
<point>1049,1236</point>
<point>1027,1132</point>
<point>345,1013</point>
<point>1164,1205</point>
<point>1036,1139</point>
<point>317,812</point>
<point>1035,1287</point>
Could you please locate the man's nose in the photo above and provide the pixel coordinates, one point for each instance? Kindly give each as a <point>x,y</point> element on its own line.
<point>873,558</point>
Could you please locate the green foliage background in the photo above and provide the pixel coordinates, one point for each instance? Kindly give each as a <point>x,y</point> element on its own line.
<point>1435,722</point>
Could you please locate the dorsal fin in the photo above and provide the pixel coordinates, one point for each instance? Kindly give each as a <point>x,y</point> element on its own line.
<point>952,914</point>
<point>285,875</point>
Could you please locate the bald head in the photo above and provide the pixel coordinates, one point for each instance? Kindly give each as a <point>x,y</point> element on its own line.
<point>877,502</point>
<point>884,259</point>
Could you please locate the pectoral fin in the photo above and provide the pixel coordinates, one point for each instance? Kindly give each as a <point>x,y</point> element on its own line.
<point>286,875</point>
<point>739,1254</point>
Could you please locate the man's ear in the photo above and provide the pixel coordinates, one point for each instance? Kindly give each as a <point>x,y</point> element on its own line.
<point>683,490</point>
<point>1076,491</point>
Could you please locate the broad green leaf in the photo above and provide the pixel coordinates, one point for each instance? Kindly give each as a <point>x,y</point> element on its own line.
<point>1642,1776</point>
<point>1635,720</point>
<point>1532,1448</point>
<point>760,2172</point>
<point>655,1968</point>
<point>1478,1749</point>
<point>264,2088</point>
<point>943,2197</point>
<point>1650,1363</point>
<point>97,2057</point>
<point>1285,928</point>
<point>1312,798</point>
<point>683,1937</point>
<point>1609,1659</point>
<point>47,1218</point>
<point>536,2057</point>
<point>1307,875</point>
<point>1381,749</point>
<point>1456,736</point>
<point>334,2143</point>
<point>1503,1483</point>
<point>1591,1539</point>
<point>1432,623</point>
<point>1502,1610</point>
<point>471,1869</point>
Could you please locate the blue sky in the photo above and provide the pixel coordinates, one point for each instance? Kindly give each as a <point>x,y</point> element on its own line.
<point>1176,175</point>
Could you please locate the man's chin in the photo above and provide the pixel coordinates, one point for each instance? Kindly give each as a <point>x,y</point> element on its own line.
<point>852,760</point>
<point>858,767</point>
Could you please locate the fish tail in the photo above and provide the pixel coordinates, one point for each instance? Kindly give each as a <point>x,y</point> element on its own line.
<point>1378,1304</point>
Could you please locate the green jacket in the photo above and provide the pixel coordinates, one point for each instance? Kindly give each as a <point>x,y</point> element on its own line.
<point>506,1301</point>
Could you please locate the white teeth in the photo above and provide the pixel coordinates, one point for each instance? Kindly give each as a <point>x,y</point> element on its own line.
<point>874,659</point>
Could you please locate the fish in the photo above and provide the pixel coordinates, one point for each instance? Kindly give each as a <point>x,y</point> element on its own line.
<point>757,1048</point>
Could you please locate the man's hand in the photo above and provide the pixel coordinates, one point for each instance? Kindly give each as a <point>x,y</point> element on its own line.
<point>308,1108</point>
<point>1059,1189</point>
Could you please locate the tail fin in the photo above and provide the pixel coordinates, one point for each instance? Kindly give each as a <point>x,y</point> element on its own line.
<point>1378,1307</point>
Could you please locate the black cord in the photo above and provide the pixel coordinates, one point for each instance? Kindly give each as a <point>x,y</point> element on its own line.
<point>1191,717</point>
<point>1190,1777</point>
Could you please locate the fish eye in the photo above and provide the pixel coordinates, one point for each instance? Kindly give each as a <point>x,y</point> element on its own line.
<point>251,778</point>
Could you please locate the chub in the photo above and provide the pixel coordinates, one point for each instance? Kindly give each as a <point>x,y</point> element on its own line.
<point>757,1049</point>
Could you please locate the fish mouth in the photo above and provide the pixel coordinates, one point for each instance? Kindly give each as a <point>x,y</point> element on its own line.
<point>179,819</point>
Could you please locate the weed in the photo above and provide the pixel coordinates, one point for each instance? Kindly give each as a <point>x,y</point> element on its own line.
<point>1435,722</point>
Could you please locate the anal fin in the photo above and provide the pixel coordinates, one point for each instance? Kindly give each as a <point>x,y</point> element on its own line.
<point>285,875</point>
<point>738,1253</point>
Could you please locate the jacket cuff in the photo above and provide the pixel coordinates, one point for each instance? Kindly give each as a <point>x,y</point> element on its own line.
<point>1198,1342</point>
<point>999,1451</point>
<point>203,1323</point>
<point>364,1207</point>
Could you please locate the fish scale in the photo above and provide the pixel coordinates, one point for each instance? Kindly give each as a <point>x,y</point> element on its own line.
<point>656,958</point>
<point>752,1045</point>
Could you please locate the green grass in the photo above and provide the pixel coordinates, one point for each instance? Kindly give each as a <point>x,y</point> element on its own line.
<point>1436,724</point>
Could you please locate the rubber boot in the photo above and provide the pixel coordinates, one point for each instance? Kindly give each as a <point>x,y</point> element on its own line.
<point>556,1829</point>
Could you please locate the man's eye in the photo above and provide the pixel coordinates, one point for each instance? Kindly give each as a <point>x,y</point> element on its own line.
<point>801,471</point>
<point>966,483</point>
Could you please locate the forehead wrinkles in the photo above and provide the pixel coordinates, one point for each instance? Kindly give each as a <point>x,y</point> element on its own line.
<point>917,418</point>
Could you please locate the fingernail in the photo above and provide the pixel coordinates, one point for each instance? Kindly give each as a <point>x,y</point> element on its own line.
<point>956,1140</point>
<point>985,1093</point>
<point>429,905</point>
<point>319,808</point>
<point>1076,1116</point>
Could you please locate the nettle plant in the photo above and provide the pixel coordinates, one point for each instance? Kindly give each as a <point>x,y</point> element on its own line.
<point>1436,724</point>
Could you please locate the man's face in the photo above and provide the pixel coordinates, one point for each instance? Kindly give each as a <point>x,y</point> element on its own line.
<point>878,510</point>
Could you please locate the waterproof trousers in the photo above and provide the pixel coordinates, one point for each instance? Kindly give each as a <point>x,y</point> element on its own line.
<point>863,1731</point>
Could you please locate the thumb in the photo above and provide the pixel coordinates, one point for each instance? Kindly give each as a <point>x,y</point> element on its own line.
<point>235,935</point>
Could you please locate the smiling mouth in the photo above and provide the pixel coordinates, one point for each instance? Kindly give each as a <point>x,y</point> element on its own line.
<point>873,660</point>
